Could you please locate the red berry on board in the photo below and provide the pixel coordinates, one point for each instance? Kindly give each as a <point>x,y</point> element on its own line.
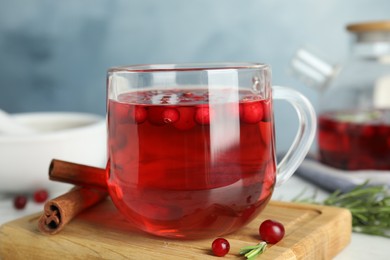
<point>252,112</point>
<point>20,202</point>
<point>271,231</point>
<point>220,247</point>
<point>40,196</point>
<point>170,115</point>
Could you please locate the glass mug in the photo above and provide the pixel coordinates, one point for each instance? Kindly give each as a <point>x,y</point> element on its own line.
<point>191,147</point>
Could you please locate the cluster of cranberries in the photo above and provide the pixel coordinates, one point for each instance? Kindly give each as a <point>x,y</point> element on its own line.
<point>39,196</point>
<point>185,110</point>
<point>270,231</point>
<point>249,113</point>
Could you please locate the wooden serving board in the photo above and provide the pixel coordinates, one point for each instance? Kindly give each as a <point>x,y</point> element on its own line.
<point>312,232</point>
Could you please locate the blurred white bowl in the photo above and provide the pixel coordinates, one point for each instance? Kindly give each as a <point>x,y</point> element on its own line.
<point>25,159</point>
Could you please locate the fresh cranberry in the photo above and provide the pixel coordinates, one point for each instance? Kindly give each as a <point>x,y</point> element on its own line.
<point>20,202</point>
<point>155,115</point>
<point>252,112</point>
<point>40,196</point>
<point>220,247</point>
<point>170,115</point>
<point>202,115</point>
<point>186,120</point>
<point>140,114</point>
<point>271,231</point>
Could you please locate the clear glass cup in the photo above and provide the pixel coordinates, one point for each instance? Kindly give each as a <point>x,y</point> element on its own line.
<point>191,147</point>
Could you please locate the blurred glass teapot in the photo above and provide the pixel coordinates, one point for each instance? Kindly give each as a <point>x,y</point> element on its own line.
<point>354,105</point>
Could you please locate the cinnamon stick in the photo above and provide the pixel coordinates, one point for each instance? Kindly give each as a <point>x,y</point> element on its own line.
<point>91,189</point>
<point>77,174</point>
<point>61,210</point>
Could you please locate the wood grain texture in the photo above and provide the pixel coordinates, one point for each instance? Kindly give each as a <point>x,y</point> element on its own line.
<point>312,232</point>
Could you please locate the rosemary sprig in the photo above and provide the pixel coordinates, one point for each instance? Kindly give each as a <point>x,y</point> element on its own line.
<point>251,252</point>
<point>369,206</point>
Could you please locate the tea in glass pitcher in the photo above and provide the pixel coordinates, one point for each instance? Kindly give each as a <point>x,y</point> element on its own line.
<point>354,101</point>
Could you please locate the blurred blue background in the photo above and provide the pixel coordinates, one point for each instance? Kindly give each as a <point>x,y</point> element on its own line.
<point>54,54</point>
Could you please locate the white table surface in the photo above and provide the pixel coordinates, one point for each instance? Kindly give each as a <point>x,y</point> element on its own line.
<point>361,246</point>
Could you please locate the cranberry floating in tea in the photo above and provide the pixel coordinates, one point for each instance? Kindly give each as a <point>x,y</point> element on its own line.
<point>354,109</point>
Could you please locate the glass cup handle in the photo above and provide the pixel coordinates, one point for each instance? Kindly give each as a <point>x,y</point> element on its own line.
<point>304,137</point>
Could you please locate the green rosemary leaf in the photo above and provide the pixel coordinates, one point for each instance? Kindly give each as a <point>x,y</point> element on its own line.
<point>251,252</point>
<point>246,249</point>
<point>369,206</point>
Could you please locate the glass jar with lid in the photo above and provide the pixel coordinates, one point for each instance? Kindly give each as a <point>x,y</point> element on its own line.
<point>354,105</point>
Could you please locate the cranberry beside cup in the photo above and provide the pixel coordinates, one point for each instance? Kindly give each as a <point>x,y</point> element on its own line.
<point>191,147</point>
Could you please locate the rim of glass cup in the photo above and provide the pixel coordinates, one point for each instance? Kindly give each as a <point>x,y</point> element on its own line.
<point>169,67</point>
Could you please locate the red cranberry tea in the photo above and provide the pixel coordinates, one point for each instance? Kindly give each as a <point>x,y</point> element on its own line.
<point>355,140</point>
<point>187,162</point>
<point>190,163</point>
